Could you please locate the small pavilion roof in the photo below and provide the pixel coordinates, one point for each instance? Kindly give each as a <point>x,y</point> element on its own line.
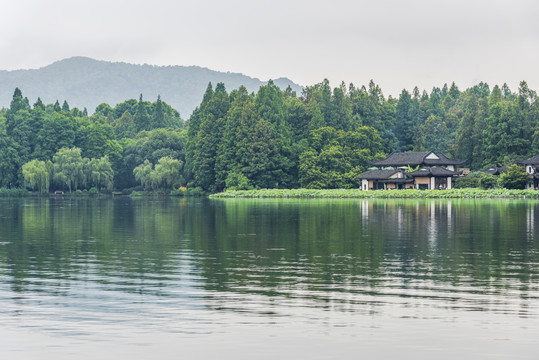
<point>495,170</point>
<point>531,161</point>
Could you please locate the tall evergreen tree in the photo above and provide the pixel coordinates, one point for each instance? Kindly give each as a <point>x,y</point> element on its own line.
<point>465,139</point>
<point>341,115</point>
<point>264,169</point>
<point>233,148</point>
<point>56,107</point>
<point>208,138</point>
<point>158,117</point>
<point>433,135</point>
<point>271,107</point>
<point>124,127</point>
<point>141,118</point>
<point>18,102</point>
<point>192,131</point>
<point>405,127</point>
<point>39,105</point>
<point>317,119</point>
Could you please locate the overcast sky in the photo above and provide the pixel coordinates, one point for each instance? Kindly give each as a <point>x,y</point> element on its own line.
<point>397,43</point>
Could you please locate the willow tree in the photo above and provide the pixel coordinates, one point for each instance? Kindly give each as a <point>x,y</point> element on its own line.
<point>68,168</point>
<point>167,173</point>
<point>143,174</point>
<point>100,173</point>
<point>37,175</point>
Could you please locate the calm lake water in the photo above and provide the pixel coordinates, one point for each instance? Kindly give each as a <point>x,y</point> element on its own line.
<point>264,279</point>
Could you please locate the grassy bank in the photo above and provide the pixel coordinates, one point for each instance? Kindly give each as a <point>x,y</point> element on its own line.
<point>4,192</point>
<point>381,194</point>
<point>16,192</point>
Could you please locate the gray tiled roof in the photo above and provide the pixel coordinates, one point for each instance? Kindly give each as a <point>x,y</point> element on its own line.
<point>433,171</point>
<point>531,161</point>
<point>495,170</point>
<point>377,174</point>
<point>402,159</point>
<point>414,158</point>
<point>444,160</point>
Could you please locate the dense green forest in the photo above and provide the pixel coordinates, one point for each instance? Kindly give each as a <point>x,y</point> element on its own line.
<point>321,138</point>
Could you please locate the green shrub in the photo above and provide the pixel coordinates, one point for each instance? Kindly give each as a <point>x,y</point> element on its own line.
<point>4,192</point>
<point>476,180</point>
<point>515,178</point>
<point>177,192</point>
<point>472,180</point>
<point>237,181</point>
<point>195,192</point>
<point>488,181</point>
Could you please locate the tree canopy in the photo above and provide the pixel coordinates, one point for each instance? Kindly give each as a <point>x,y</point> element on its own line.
<point>273,138</point>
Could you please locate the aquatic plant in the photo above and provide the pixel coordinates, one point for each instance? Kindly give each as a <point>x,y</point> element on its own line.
<point>383,194</point>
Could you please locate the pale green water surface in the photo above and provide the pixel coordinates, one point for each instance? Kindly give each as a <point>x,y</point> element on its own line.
<point>269,279</point>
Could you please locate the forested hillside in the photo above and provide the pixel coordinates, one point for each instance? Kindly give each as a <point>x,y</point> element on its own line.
<point>86,82</point>
<point>321,138</point>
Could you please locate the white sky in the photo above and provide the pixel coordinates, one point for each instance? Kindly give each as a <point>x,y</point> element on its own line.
<point>397,43</point>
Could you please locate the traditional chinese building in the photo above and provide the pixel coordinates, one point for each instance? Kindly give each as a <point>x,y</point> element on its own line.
<point>495,170</point>
<point>385,179</point>
<point>431,171</point>
<point>532,168</point>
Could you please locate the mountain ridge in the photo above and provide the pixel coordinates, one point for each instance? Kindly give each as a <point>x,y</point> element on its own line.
<point>86,82</point>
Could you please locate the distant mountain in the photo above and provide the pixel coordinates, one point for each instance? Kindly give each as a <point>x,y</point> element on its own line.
<point>86,82</point>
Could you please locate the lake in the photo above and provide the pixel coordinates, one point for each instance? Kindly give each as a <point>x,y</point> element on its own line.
<point>122,278</point>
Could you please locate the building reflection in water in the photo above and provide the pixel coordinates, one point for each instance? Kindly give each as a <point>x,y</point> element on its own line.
<point>401,217</point>
<point>530,221</point>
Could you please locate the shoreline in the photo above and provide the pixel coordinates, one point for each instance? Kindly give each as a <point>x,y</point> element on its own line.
<point>468,193</point>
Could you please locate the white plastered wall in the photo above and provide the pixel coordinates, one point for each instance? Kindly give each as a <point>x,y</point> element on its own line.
<point>364,184</point>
